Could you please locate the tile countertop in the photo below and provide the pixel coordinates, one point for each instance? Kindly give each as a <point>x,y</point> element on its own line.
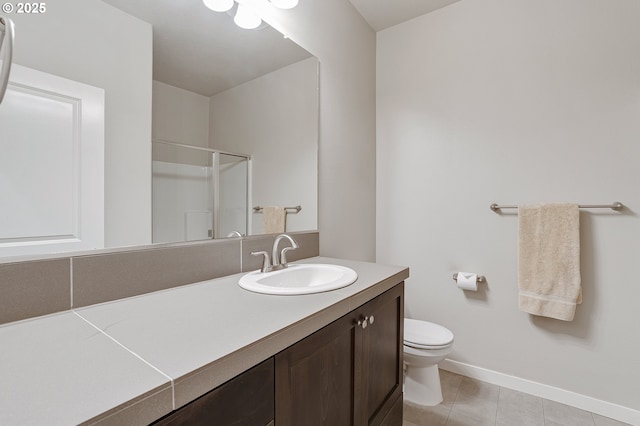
<point>133,360</point>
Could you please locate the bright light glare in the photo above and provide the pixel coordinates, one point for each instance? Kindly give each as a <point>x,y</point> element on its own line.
<point>218,5</point>
<point>284,4</point>
<point>246,19</point>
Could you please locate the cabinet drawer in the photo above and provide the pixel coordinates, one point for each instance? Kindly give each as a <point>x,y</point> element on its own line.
<point>245,400</point>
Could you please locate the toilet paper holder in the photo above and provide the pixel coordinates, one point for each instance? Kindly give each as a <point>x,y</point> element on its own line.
<point>480,278</point>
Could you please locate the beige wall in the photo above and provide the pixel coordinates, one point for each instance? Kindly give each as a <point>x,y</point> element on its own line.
<point>281,106</point>
<point>282,139</point>
<point>334,32</point>
<point>515,101</point>
<point>111,50</point>
<point>180,115</point>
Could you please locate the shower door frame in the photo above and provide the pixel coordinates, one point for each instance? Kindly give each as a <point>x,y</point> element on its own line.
<point>215,174</point>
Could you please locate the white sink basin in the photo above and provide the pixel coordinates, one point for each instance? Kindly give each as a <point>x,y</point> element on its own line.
<point>299,279</point>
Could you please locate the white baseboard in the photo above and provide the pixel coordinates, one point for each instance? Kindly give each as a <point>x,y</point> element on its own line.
<point>603,408</point>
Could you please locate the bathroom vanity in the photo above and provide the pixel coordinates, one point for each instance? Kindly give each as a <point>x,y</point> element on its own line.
<point>214,349</point>
<point>347,373</point>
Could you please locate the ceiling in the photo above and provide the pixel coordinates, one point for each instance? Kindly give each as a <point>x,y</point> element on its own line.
<point>211,54</point>
<point>203,51</point>
<point>381,14</point>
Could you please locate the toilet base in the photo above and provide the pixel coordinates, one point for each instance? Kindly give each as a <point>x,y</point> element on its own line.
<point>422,385</point>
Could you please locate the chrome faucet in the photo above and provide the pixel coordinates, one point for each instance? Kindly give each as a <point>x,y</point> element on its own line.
<point>277,262</point>
<point>266,265</point>
<point>281,262</point>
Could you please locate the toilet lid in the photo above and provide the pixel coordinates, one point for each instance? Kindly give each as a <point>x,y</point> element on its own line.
<point>425,334</point>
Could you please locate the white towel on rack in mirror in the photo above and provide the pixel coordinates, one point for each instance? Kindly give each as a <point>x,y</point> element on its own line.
<point>549,260</point>
<point>274,219</point>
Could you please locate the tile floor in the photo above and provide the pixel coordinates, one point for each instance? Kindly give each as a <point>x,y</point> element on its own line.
<point>469,402</point>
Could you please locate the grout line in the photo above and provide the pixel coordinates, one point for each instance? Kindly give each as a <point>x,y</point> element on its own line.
<point>173,395</point>
<point>453,403</point>
<point>449,412</point>
<point>497,405</point>
<point>547,392</point>
<point>71,281</point>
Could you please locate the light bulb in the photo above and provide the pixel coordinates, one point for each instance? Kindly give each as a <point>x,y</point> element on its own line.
<point>218,5</point>
<point>245,18</point>
<point>284,4</point>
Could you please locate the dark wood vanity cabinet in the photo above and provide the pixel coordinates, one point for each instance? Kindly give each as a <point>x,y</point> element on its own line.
<point>245,400</point>
<point>349,372</point>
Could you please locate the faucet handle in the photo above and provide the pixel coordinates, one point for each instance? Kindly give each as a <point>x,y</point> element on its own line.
<point>266,265</point>
<point>283,255</point>
<point>277,261</point>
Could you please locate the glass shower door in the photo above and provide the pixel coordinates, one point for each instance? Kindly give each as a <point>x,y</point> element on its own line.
<point>182,194</point>
<point>231,196</point>
<point>198,193</point>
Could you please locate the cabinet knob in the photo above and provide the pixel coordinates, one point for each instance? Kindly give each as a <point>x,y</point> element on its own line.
<point>363,322</point>
<point>371,319</point>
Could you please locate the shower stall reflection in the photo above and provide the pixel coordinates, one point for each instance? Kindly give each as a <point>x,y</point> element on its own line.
<point>198,193</point>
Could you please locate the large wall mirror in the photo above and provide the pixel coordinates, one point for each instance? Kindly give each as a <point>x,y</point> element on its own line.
<point>131,122</point>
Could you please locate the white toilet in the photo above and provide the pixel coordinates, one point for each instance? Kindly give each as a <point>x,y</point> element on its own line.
<point>425,345</point>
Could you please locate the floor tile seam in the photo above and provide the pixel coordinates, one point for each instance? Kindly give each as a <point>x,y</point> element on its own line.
<point>449,413</point>
<point>544,420</point>
<point>497,406</point>
<point>173,396</point>
<point>542,400</point>
<point>545,415</point>
<point>455,398</point>
<point>500,388</point>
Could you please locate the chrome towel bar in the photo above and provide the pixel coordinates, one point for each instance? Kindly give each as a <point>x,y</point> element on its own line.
<point>613,206</point>
<point>257,209</point>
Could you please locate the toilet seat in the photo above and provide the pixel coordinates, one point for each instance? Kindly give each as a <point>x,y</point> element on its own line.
<point>426,347</point>
<point>426,335</point>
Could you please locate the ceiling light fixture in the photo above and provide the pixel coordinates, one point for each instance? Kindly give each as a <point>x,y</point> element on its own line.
<point>284,4</point>
<point>244,16</point>
<point>218,5</point>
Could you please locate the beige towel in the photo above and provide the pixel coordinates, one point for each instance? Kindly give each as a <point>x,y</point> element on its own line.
<point>549,260</point>
<point>274,219</point>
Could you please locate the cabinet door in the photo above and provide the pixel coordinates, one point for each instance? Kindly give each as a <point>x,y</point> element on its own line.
<point>346,374</point>
<point>315,377</point>
<point>382,354</point>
